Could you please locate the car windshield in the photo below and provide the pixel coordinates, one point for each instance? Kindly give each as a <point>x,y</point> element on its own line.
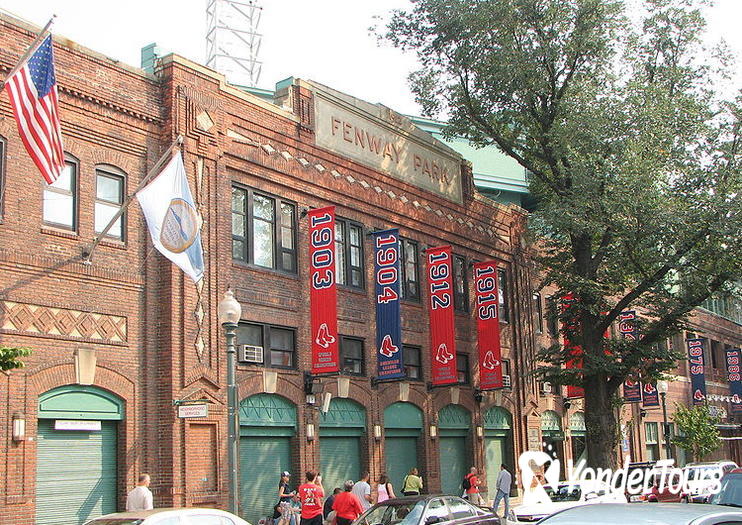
<point>730,492</point>
<point>702,473</point>
<point>407,513</point>
<point>564,493</point>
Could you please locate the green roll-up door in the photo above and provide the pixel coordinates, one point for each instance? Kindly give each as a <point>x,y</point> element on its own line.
<point>401,456</point>
<point>453,464</point>
<point>262,459</point>
<point>340,459</point>
<point>75,474</point>
<point>495,453</point>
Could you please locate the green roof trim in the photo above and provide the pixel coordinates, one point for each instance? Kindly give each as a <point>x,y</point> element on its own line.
<point>454,417</point>
<point>80,402</point>
<point>344,413</point>
<point>267,410</point>
<point>401,415</point>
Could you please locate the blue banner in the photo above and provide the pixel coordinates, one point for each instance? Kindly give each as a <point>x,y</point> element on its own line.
<point>734,362</point>
<point>697,371</point>
<point>632,390</point>
<point>390,362</point>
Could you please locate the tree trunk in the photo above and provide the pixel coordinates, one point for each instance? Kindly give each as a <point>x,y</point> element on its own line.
<point>600,423</point>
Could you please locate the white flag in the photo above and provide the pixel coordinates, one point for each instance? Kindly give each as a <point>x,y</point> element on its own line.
<point>172,219</point>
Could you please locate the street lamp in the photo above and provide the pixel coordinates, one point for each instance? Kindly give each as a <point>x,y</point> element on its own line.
<point>662,388</point>
<point>229,312</point>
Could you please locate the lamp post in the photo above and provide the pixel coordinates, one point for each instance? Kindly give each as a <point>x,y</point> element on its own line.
<point>229,313</point>
<point>662,388</point>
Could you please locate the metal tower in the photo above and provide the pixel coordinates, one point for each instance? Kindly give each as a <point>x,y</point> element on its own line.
<point>233,41</point>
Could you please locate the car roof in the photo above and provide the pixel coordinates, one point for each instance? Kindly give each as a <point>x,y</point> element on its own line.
<point>636,514</point>
<point>142,514</point>
<point>709,463</point>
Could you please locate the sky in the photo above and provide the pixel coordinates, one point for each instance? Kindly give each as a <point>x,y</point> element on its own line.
<point>323,40</point>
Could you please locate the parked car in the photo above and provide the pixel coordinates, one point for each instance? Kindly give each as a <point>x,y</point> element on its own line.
<point>563,496</point>
<point>170,516</point>
<point>703,476</point>
<point>426,510</point>
<point>659,514</point>
<point>730,493</point>
<point>671,491</point>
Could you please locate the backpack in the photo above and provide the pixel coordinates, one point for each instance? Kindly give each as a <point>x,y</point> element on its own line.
<point>465,483</point>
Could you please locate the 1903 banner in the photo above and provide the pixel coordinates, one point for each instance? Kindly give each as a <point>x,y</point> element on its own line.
<point>389,356</point>
<point>440,306</point>
<point>323,290</point>
<point>488,325</point>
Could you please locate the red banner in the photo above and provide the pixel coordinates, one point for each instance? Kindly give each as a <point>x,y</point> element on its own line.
<point>574,350</point>
<point>488,326</point>
<point>440,305</point>
<point>323,291</point>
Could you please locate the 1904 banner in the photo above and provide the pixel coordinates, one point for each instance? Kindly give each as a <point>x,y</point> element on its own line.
<point>323,290</point>
<point>440,306</point>
<point>389,356</point>
<point>488,325</point>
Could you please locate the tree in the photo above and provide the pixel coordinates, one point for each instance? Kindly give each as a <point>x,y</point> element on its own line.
<point>633,158</point>
<point>10,357</point>
<point>697,429</point>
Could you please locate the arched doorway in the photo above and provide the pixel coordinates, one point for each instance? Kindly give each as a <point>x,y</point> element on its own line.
<point>76,454</point>
<point>578,432</point>
<point>267,426</point>
<point>403,426</point>
<point>498,445</point>
<point>454,423</point>
<point>340,432</point>
<point>553,438</point>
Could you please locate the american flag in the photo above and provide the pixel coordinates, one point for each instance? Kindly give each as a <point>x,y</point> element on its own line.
<point>33,96</point>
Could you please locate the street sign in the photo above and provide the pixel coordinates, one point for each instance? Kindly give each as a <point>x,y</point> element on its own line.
<point>193,411</point>
<point>76,424</point>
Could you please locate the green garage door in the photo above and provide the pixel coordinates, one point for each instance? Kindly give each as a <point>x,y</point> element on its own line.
<point>76,470</point>
<point>454,423</point>
<point>403,424</point>
<point>498,445</point>
<point>267,426</point>
<point>340,433</point>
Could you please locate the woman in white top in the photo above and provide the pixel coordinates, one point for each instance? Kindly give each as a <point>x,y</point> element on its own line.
<point>384,489</point>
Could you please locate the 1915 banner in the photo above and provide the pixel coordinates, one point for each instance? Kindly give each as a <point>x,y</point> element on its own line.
<point>574,350</point>
<point>697,370</point>
<point>627,327</point>
<point>488,325</point>
<point>323,290</point>
<point>734,362</point>
<point>440,306</point>
<point>390,361</point>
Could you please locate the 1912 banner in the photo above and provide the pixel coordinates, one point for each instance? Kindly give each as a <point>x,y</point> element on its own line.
<point>627,327</point>
<point>488,325</point>
<point>734,361</point>
<point>697,370</point>
<point>323,290</point>
<point>390,362</point>
<point>440,306</point>
<point>574,350</point>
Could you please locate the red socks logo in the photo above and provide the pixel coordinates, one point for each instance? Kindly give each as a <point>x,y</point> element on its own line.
<point>324,339</point>
<point>388,349</point>
<point>490,363</point>
<point>443,355</point>
<point>698,395</point>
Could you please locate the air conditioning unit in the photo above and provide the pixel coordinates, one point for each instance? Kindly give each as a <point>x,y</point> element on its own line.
<point>506,381</point>
<point>250,354</point>
<point>546,388</point>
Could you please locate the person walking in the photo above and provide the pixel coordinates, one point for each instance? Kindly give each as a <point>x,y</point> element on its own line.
<point>329,502</point>
<point>347,506</point>
<point>412,483</point>
<point>362,490</point>
<point>384,489</point>
<point>471,492</point>
<point>310,494</point>
<point>502,485</point>
<point>140,498</point>
<point>284,496</point>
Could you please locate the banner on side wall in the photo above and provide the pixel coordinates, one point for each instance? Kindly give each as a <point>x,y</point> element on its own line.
<point>650,396</point>
<point>389,357</point>
<point>627,327</point>
<point>440,307</point>
<point>323,291</point>
<point>696,366</point>
<point>574,350</point>
<point>734,362</point>
<point>488,326</point>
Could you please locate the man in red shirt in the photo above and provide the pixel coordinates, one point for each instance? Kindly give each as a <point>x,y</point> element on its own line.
<point>311,494</point>
<point>347,506</point>
<point>472,493</point>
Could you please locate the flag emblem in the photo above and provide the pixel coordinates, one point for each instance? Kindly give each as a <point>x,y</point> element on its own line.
<point>179,227</point>
<point>443,355</point>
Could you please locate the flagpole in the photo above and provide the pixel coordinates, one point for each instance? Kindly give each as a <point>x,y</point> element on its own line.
<point>31,50</point>
<point>152,173</point>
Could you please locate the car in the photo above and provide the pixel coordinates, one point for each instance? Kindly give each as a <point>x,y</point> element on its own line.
<point>565,495</point>
<point>702,477</point>
<point>659,514</point>
<point>170,516</point>
<point>730,493</point>
<point>671,491</point>
<point>426,510</point>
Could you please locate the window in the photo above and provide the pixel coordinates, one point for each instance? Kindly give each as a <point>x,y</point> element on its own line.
<point>277,343</point>
<point>460,509</point>
<point>538,314</point>
<point>351,355</point>
<point>60,199</point>
<point>462,368</point>
<point>651,441</point>
<point>263,230</point>
<point>349,253</point>
<point>437,510</point>
<point>2,174</point>
<point>502,289</point>
<point>412,362</point>
<point>109,197</point>
<point>460,289</point>
<point>410,271</point>
<point>717,355</point>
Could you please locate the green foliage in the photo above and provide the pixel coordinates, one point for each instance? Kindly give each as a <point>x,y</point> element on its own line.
<point>10,357</point>
<point>697,428</point>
